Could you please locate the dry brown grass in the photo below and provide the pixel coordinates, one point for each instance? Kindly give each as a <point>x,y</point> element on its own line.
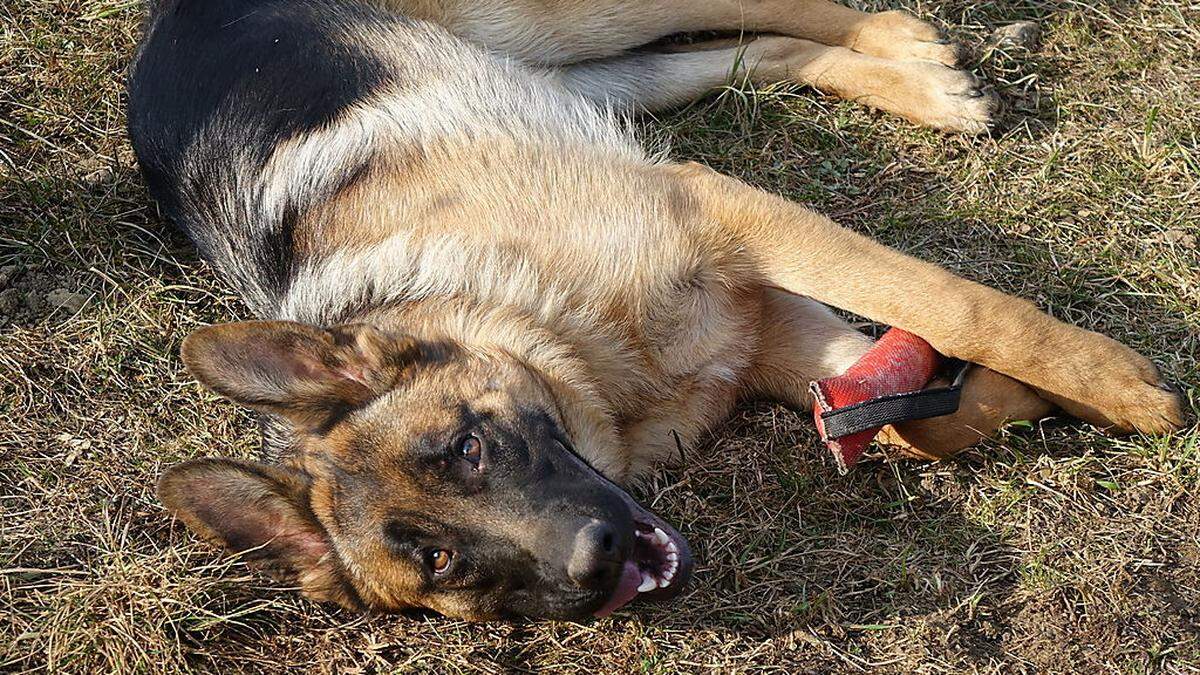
<point>1051,549</point>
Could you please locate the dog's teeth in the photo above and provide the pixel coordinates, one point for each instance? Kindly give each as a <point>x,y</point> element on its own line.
<point>672,556</point>
<point>668,575</point>
<point>662,537</point>
<point>664,582</point>
<point>648,583</point>
<point>672,548</point>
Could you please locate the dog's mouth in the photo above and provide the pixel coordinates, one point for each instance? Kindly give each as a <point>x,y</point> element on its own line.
<point>659,566</point>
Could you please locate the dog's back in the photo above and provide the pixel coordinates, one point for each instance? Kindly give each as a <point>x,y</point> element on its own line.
<point>247,115</point>
<point>214,90</point>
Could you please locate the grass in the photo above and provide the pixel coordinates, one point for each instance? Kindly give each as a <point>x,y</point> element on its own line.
<point>1053,548</point>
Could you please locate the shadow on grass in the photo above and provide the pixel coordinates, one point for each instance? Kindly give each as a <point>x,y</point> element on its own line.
<point>85,220</point>
<point>791,553</point>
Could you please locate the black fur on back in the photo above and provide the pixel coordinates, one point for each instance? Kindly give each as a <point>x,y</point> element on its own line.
<point>215,87</point>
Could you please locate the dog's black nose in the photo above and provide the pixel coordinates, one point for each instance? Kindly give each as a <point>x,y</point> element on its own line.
<point>594,562</point>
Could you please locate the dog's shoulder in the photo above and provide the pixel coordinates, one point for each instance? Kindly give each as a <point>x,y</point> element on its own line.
<point>250,116</point>
<point>216,86</point>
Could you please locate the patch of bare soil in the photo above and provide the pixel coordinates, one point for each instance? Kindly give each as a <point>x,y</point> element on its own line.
<point>30,294</point>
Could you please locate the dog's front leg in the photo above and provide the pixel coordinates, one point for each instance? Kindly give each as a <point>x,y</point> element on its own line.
<point>790,247</point>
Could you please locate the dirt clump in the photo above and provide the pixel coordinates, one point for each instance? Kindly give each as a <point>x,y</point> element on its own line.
<point>31,293</point>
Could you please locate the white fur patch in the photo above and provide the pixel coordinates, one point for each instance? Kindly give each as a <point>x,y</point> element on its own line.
<point>396,270</point>
<point>462,95</point>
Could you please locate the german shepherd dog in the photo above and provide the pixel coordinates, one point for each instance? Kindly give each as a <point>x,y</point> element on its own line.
<point>484,307</point>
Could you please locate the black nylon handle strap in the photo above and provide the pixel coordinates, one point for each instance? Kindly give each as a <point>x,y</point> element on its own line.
<point>893,408</point>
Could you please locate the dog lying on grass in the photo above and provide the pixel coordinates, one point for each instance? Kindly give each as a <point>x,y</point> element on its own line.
<point>485,306</point>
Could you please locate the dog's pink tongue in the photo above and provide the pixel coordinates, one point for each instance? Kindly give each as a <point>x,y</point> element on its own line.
<point>626,590</point>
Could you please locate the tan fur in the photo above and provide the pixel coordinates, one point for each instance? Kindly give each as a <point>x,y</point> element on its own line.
<point>637,301</point>
<point>702,324</point>
<point>1089,375</point>
<point>891,60</point>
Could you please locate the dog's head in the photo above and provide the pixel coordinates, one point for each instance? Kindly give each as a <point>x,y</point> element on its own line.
<point>425,475</point>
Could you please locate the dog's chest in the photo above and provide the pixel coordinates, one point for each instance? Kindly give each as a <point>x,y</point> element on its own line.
<point>586,246</point>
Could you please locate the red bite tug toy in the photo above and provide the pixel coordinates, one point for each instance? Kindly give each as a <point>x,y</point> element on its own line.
<point>850,409</point>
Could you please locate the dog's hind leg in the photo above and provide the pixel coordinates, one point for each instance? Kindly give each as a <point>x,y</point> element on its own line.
<point>924,92</point>
<point>787,246</point>
<point>895,35</point>
<point>801,340</point>
<point>652,80</point>
<point>889,61</point>
<point>557,32</point>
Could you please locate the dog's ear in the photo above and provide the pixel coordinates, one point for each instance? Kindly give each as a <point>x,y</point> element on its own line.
<point>261,512</point>
<point>302,372</point>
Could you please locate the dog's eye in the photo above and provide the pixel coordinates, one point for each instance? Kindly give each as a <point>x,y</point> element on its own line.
<point>439,560</point>
<point>472,450</point>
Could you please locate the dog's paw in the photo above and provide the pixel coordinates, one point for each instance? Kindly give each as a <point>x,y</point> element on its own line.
<point>1148,408</point>
<point>987,402</point>
<point>948,99</point>
<point>1114,387</point>
<point>900,36</point>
